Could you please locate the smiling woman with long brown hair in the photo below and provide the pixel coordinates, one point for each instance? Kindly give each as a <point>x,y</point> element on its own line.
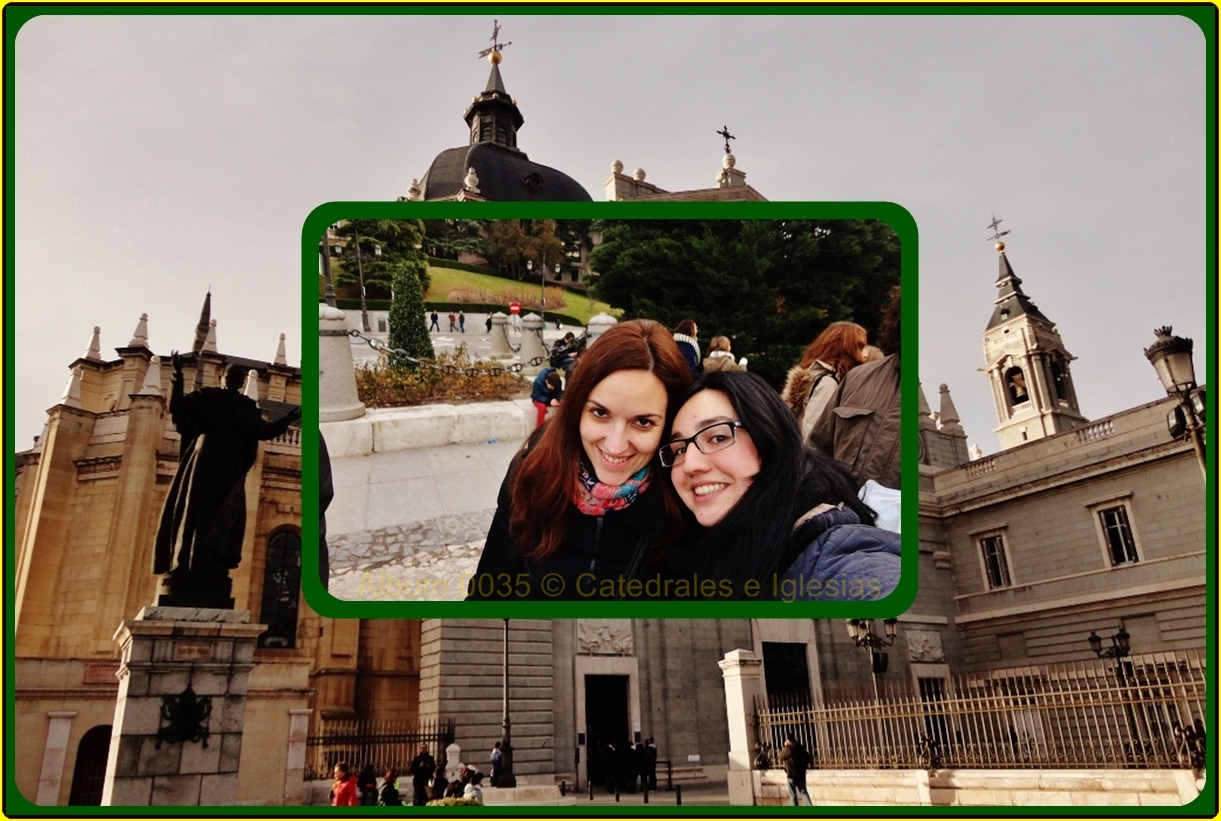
<point>582,503</point>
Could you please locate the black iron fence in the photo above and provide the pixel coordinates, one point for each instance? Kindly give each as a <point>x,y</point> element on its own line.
<point>1145,711</point>
<point>383,744</point>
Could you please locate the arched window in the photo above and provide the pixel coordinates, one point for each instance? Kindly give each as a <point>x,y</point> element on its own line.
<point>1015,383</point>
<point>281,590</point>
<point>1059,381</point>
<point>89,774</point>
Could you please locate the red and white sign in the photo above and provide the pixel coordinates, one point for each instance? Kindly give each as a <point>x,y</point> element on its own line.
<point>515,307</point>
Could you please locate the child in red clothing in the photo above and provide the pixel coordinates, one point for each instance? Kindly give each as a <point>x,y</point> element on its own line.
<point>343,792</point>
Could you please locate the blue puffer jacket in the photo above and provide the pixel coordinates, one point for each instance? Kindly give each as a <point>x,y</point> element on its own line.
<point>844,560</point>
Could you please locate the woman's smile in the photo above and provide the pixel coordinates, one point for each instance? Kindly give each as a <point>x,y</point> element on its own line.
<point>711,484</point>
<point>621,424</point>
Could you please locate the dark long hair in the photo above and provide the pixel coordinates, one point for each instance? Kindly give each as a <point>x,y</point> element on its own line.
<point>755,538</point>
<point>543,484</point>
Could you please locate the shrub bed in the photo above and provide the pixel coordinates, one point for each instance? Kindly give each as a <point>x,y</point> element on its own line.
<point>383,385</point>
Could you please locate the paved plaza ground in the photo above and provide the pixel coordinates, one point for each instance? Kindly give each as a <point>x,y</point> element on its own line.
<point>410,524</point>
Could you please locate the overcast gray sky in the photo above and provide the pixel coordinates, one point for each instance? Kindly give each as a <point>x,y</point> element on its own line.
<point>156,155</point>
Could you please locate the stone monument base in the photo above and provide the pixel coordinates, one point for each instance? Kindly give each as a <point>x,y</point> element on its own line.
<point>177,733</point>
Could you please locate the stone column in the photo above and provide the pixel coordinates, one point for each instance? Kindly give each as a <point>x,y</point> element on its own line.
<point>742,672</point>
<point>532,346</point>
<point>598,325</point>
<point>54,753</point>
<point>500,336</point>
<point>294,768</point>
<point>337,398</point>
<point>178,721</point>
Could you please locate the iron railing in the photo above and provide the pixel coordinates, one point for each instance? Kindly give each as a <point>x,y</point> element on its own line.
<point>1145,711</point>
<point>383,744</point>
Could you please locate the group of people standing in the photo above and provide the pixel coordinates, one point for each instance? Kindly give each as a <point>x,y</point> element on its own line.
<point>652,482</point>
<point>626,768</point>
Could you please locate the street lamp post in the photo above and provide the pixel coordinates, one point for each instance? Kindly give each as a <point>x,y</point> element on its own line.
<point>326,266</point>
<point>506,779</point>
<point>1171,357</point>
<point>861,633</point>
<point>364,310</point>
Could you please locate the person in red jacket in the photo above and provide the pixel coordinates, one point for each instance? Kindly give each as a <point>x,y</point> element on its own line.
<point>343,792</point>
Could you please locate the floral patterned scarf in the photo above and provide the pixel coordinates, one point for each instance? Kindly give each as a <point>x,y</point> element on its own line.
<point>593,498</point>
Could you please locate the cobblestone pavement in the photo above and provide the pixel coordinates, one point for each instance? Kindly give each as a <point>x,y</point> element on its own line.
<point>429,560</point>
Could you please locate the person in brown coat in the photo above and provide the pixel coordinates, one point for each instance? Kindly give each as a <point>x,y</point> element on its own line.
<point>862,421</point>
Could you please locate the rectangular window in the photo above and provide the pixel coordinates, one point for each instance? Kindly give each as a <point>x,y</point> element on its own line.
<point>1117,532</point>
<point>996,564</point>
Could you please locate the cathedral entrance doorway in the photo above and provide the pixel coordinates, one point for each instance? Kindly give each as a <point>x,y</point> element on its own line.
<point>607,725</point>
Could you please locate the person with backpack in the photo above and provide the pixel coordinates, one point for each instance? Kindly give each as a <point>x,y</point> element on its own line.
<point>795,760</point>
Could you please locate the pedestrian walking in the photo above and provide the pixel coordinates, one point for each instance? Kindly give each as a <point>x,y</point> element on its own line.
<point>795,761</point>
<point>390,789</point>
<point>461,322</point>
<point>343,791</point>
<point>488,323</point>
<point>366,783</point>
<point>422,768</point>
<point>453,322</point>
<point>498,763</point>
<point>435,324</point>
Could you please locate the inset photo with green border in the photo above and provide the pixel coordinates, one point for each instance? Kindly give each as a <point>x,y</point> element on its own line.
<point>642,405</point>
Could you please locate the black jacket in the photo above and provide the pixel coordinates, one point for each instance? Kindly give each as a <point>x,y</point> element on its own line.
<point>596,553</point>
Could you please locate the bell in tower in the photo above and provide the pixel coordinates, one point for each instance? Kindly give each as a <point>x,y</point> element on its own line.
<point>1027,364</point>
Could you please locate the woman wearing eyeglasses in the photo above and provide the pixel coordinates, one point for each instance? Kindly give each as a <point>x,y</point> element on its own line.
<point>769,517</point>
<point>583,503</point>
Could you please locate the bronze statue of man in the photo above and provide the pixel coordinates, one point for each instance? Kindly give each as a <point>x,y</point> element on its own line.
<point>203,521</point>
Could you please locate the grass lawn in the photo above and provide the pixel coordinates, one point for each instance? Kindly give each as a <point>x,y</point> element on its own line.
<point>445,280</point>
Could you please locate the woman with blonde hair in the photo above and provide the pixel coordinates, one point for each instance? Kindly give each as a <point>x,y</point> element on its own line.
<point>812,381</point>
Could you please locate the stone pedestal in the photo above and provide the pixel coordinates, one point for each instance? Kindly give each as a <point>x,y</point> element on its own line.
<point>177,732</point>
<point>743,675</point>
<point>337,398</point>
<point>532,346</point>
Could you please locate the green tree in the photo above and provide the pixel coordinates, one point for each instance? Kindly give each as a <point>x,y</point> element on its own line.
<point>408,329</point>
<point>546,249</point>
<point>770,285</point>
<point>384,245</point>
<point>448,238</point>
<point>509,246</point>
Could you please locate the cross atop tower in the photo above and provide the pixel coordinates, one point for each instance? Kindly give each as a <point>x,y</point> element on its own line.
<point>724,132</point>
<point>995,225</point>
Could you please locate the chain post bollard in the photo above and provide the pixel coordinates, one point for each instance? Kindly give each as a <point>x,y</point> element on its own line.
<point>591,790</point>
<point>616,791</point>
<point>678,795</point>
<point>501,349</point>
<point>598,324</point>
<point>532,345</point>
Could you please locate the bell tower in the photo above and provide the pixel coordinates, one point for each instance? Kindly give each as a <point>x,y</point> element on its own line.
<point>1027,364</point>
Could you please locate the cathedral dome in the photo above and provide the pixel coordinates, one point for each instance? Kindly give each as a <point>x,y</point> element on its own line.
<point>502,171</point>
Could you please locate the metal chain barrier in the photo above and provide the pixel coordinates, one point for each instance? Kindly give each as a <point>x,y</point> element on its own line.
<point>399,355</point>
<point>504,329</point>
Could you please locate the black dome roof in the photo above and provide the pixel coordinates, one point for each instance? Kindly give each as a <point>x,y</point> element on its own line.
<point>505,172</point>
<point>505,175</point>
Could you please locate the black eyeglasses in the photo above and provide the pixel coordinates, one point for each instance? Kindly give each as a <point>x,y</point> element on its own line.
<point>708,440</point>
